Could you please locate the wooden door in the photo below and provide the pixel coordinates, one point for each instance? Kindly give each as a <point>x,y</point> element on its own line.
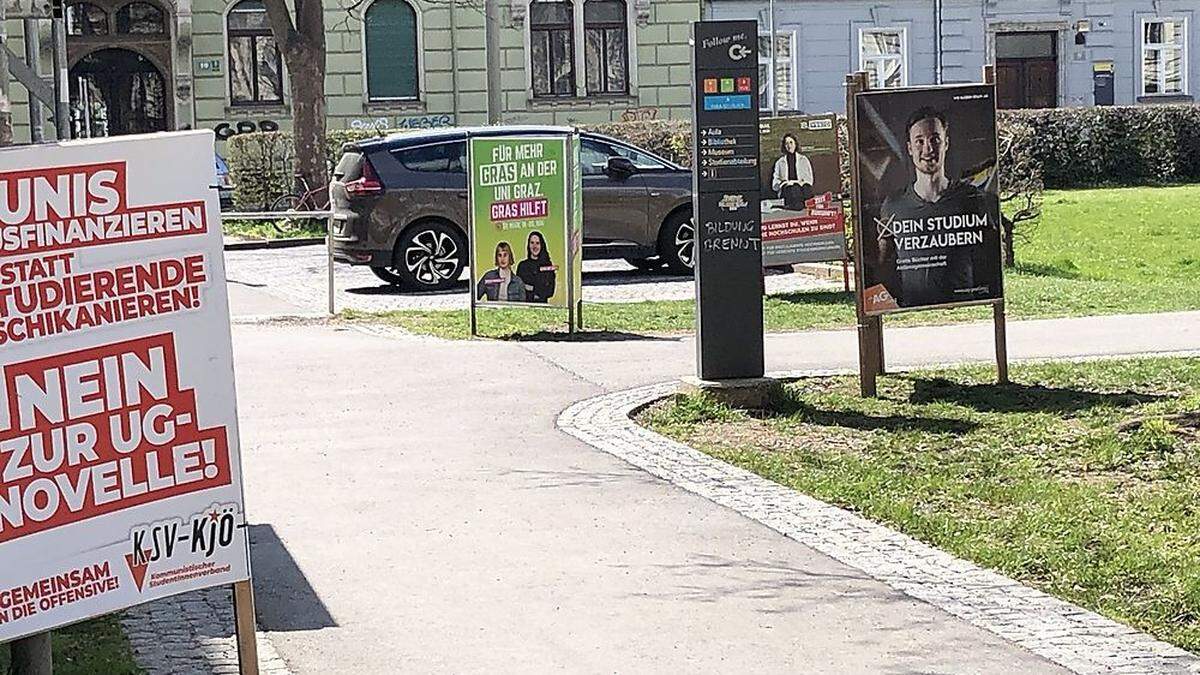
<point>1027,70</point>
<point>1041,83</point>
<point>1009,88</point>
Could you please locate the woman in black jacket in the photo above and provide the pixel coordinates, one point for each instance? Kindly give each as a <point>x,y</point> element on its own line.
<point>537,270</point>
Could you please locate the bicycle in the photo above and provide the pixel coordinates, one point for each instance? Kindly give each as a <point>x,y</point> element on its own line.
<point>313,199</point>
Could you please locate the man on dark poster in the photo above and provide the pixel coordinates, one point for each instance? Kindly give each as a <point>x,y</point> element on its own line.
<point>936,237</point>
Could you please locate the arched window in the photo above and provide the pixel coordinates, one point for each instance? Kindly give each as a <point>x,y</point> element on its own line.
<point>84,18</point>
<point>606,47</point>
<point>390,28</point>
<point>141,18</point>
<point>255,70</point>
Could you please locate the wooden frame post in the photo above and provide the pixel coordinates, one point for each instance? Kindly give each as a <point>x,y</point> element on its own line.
<point>471,238</point>
<point>870,328</point>
<point>998,315</point>
<point>569,228</point>
<point>245,627</point>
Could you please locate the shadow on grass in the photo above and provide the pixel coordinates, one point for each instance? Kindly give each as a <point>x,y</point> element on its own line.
<point>831,298</point>
<point>1047,270</point>
<point>584,336</point>
<point>786,405</point>
<point>1013,398</point>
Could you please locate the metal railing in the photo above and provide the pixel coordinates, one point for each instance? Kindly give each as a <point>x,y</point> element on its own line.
<point>303,215</point>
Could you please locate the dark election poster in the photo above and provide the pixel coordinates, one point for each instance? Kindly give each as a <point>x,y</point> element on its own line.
<point>928,195</point>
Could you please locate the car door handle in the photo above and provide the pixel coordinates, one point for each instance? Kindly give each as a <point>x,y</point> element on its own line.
<point>655,194</point>
<point>462,195</point>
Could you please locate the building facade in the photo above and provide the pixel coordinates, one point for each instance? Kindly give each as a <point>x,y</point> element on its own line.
<point>1048,53</point>
<point>151,65</point>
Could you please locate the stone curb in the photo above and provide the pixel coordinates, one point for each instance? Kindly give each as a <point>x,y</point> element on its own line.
<point>1070,636</point>
<point>192,634</point>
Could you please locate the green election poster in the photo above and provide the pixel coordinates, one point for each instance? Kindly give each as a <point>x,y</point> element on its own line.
<point>520,220</point>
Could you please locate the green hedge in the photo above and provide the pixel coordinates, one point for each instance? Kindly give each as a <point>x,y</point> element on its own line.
<point>262,164</point>
<point>1130,145</point>
<point>1074,147</point>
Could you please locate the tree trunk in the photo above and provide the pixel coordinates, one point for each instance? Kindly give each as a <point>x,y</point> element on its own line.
<point>1010,252</point>
<point>302,44</point>
<point>307,71</point>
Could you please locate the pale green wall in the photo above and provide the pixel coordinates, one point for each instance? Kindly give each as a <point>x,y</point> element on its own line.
<point>202,98</point>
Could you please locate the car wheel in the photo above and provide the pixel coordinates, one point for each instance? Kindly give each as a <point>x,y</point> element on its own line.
<point>645,264</point>
<point>389,275</point>
<point>430,256</point>
<point>677,243</point>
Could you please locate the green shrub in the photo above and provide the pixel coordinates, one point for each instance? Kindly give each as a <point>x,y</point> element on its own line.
<point>1128,145</point>
<point>262,164</point>
<point>1072,147</point>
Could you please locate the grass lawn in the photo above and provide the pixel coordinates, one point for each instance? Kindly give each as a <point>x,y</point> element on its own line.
<point>1081,479</point>
<point>96,646</point>
<point>1108,251</point>
<point>265,229</point>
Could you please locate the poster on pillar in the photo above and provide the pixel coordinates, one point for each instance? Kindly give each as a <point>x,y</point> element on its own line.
<point>523,224</point>
<point>928,196</point>
<point>120,480</point>
<point>800,178</point>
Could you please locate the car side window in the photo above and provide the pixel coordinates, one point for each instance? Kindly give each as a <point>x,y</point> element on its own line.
<point>593,157</point>
<point>440,158</point>
<point>641,160</point>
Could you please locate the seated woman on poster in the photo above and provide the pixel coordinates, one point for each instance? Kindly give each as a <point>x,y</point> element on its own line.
<point>500,284</point>
<point>536,270</point>
<point>793,177</point>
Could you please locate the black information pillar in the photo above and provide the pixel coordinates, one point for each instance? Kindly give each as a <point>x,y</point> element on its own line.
<point>728,253</point>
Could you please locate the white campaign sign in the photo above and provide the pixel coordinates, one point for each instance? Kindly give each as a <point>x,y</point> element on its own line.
<point>120,478</point>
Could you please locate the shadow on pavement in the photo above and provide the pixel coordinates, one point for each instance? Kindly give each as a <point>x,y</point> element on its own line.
<point>533,479</point>
<point>587,336</point>
<point>388,289</point>
<point>284,600</point>
<point>709,578</point>
<point>593,278</point>
<point>1021,397</point>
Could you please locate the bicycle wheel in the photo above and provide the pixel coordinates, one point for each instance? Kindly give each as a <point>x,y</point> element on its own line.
<point>286,203</point>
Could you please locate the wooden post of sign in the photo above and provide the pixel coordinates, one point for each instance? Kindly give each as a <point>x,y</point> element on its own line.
<point>31,655</point>
<point>998,318</point>
<point>877,348</point>
<point>870,329</point>
<point>244,627</point>
<point>573,312</point>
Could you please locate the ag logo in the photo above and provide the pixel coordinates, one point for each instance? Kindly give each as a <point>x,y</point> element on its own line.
<point>733,203</point>
<point>878,299</point>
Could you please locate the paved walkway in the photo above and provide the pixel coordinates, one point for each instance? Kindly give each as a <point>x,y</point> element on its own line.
<point>299,276</point>
<point>415,508</point>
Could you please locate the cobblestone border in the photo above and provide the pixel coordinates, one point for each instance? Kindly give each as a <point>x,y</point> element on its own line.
<point>1070,636</point>
<point>191,634</point>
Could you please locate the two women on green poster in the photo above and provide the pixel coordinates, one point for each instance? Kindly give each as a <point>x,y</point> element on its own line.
<point>533,279</point>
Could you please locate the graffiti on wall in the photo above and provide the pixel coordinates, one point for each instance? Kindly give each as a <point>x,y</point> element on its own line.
<point>639,114</point>
<point>227,130</point>
<point>400,122</point>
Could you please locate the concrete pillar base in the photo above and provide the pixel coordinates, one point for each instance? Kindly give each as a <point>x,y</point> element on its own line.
<point>751,393</point>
